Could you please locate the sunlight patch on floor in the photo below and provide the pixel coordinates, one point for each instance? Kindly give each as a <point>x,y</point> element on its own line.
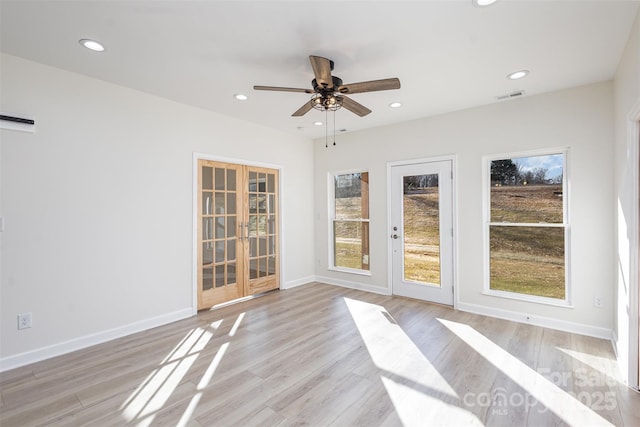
<point>154,392</point>
<point>151,396</point>
<point>415,408</point>
<point>206,377</point>
<point>561,403</point>
<point>601,366</point>
<point>236,325</point>
<point>204,382</point>
<point>414,385</point>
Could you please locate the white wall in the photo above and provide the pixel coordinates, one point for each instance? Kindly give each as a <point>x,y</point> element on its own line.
<point>627,116</point>
<point>578,118</point>
<point>98,206</point>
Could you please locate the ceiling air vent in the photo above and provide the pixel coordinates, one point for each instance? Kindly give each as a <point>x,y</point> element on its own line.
<point>515,94</point>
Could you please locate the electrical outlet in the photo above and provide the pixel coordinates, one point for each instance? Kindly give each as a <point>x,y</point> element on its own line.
<point>24,321</point>
<point>598,302</point>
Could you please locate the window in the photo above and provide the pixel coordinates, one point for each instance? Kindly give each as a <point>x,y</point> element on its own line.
<point>527,226</point>
<point>350,221</point>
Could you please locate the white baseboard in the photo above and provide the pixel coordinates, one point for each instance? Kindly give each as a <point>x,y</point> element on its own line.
<point>298,282</point>
<point>54,350</point>
<point>614,344</point>
<point>353,285</point>
<point>546,322</point>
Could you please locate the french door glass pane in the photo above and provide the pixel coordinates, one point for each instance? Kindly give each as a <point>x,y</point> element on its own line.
<point>272,265</point>
<point>207,203</point>
<point>271,187</point>
<point>231,274</point>
<point>219,275</point>
<point>262,182</point>
<point>220,179</point>
<point>262,247</point>
<point>207,178</point>
<point>231,226</point>
<point>421,220</point>
<point>219,204</point>
<point>231,250</point>
<point>253,269</point>
<point>272,203</point>
<point>253,203</point>
<point>253,247</point>
<point>219,246</point>
<point>262,203</point>
<point>253,181</point>
<point>207,253</point>
<point>252,225</point>
<point>263,266</point>
<point>207,278</point>
<point>231,203</point>
<point>231,180</point>
<point>220,232</point>
<point>272,245</point>
<point>207,228</point>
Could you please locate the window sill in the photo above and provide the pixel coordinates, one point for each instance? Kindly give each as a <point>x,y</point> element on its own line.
<point>529,298</point>
<point>351,271</point>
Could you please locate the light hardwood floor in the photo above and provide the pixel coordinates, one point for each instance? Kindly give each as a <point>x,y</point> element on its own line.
<point>324,355</point>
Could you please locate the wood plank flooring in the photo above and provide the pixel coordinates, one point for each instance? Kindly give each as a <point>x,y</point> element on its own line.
<point>324,355</point>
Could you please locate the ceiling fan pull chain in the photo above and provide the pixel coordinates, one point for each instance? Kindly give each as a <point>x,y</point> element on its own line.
<point>334,128</point>
<point>326,128</point>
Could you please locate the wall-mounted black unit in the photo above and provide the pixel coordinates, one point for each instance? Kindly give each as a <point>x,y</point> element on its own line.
<point>17,119</point>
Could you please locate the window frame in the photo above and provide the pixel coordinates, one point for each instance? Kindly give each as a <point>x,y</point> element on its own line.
<point>487,224</point>
<point>331,221</point>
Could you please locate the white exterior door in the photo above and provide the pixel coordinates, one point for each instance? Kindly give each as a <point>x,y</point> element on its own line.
<point>421,232</point>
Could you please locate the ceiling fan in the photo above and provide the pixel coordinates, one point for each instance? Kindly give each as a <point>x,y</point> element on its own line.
<point>329,93</point>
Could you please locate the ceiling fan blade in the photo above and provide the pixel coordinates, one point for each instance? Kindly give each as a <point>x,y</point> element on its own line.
<point>283,89</point>
<point>370,86</point>
<point>322,70</point>
<point>354,106</point>
<point>306,107</point>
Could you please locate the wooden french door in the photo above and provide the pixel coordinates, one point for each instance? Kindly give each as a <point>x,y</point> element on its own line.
<point>237,231</point>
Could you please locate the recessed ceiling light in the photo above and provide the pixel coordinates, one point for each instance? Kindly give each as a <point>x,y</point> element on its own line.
<point>318,123</point>
<point>483,3</point>
<point>240,97</point>
<point>395,105</point>
<point>517,74</point>
<point>92,45</point>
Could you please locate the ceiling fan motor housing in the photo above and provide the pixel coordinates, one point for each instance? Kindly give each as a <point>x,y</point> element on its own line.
<point>337,82</point>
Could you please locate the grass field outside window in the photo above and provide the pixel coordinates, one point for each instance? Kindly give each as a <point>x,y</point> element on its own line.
<point>350,220</point>
<point>527,225</point>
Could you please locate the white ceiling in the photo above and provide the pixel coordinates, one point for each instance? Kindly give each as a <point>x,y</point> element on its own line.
<point>449,55</point>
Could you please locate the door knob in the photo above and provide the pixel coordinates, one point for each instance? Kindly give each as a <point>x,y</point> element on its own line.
<point>394,236</point>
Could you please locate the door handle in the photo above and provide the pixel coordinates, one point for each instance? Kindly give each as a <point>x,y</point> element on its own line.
<point>394,236</point>
<point>240,231</point>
